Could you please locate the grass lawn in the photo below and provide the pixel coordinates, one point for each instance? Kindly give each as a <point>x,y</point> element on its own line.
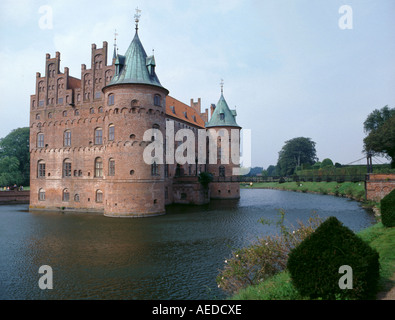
<point>279,287</point>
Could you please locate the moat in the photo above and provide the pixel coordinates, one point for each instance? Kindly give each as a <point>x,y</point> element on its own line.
<point>174,256</point>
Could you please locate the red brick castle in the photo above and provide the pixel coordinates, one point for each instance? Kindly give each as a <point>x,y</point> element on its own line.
<point>86,139</point>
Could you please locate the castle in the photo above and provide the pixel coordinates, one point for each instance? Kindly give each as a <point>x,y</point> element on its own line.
<point>87,139</point>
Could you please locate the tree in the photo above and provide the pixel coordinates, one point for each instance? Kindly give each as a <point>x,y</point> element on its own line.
<point>377,118</point>
<point>382,140</point>
<point>9,171</point>
<point>380,126</point>
<point>271,171</point>
<point>294,153</point>
<point>16,144</point>
<point>326,163</point>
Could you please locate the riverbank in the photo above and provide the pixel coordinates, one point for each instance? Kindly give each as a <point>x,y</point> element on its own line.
<point>352,190</point>
<point>279,287</point>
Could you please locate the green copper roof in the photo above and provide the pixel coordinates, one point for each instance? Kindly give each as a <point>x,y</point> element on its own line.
<point>222,115</point>
<point>135,67</point>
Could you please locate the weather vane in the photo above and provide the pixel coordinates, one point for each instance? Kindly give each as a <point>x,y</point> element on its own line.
<point>115,38</point>
<point>222,85</point>
<point>137,17</point>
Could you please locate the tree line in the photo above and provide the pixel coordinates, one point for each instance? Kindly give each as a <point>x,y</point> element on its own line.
<point>299,154</point>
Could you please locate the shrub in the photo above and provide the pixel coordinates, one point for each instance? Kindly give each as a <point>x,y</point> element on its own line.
<point>387,205</point>
<point>314,264</point>
<point>205,178</point>
<point>264,258</point>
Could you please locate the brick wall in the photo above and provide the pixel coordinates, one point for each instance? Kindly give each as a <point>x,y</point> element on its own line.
<point>17,197</point>
<point>379,185</point>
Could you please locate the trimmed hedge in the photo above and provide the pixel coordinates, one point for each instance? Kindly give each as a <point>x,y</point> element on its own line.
<point>387,205</point>
<point>314,264</point>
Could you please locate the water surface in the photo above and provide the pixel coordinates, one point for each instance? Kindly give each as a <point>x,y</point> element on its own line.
<point>174,256</point>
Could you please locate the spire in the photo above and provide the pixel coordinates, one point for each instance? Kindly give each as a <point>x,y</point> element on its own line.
<point>135,67</point>
<point>222,86</point>
<point>114,57</point>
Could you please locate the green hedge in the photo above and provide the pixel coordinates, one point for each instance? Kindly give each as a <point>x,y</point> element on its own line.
<point>387,205</point>
<point>314,264</point>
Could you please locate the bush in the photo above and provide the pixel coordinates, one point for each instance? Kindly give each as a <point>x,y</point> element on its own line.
<point>264,258</point>
<point>314,264</point>
<point>387,205</point>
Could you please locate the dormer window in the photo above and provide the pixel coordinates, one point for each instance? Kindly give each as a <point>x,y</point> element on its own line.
<point>222,116</point>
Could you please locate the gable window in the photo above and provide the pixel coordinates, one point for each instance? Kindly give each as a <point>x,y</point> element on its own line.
<point>99,136</point>
<point>41,169</point>
<point>67,138</point>
<point>98,168</point>
<point>111,132</point>
<point>111,99</point>
<point>67,168</point>
<point>40,140</point>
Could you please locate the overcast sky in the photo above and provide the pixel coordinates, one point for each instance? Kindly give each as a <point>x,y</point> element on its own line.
<point>288,68</point>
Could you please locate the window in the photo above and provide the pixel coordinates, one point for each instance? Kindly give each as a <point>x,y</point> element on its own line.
<point>60,101</point>
<point>222,171</point>
<point>66,195</point>
<point>100,109</point>
<point>41,195</point>
<point>41,169</point>
<point>91,111</point>
<point>77,112</point>
<point>67,168</point>
<point>111,167</point>
<point>67,138</point>
<point>111,99</point>
<point>111,132</point>
<point>64,113</point>
<point>157,100</point>
<point>41,103</point>
<point>40,140</point>
<point>37,116</point>
<point>97,95</point>
<point>99,196</point>
<point>154,169</point>
<point>50,115</point>
<point>99,136</point>
<point>77,198</point>
<point>222,116</point>
<point>98,168</point>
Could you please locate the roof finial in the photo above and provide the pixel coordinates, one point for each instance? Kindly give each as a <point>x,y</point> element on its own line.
<point>115,44</point>
<point>222,86</point>
<point>137,18</point>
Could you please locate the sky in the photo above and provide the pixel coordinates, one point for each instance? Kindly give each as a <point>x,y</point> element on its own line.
<point>291,68</point>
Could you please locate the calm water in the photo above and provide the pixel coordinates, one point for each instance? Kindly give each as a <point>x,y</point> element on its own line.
<point>175,256</point>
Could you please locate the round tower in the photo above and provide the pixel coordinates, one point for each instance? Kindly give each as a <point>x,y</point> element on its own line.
<point>224,147</point>
<point>135,102</point>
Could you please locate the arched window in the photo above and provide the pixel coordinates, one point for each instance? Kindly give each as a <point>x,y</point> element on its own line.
<point>99,196</point>
<point>40,140</point>
<point>77,198</point>
<point>41,195</point>
<point>222,171</point>
<point>157,100</point>
<point>41,169</point>
<point>111,99</point>
<point>66,195</point>
<point>98,136</point>
<point>98,168</point>
<point>111,132</point>
<point>67,168</point>
<point>111,167</point>
<point>67,138</point>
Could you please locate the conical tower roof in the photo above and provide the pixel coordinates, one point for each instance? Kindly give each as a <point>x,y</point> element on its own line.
<point>135,67</point>
<point>222,115</point>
